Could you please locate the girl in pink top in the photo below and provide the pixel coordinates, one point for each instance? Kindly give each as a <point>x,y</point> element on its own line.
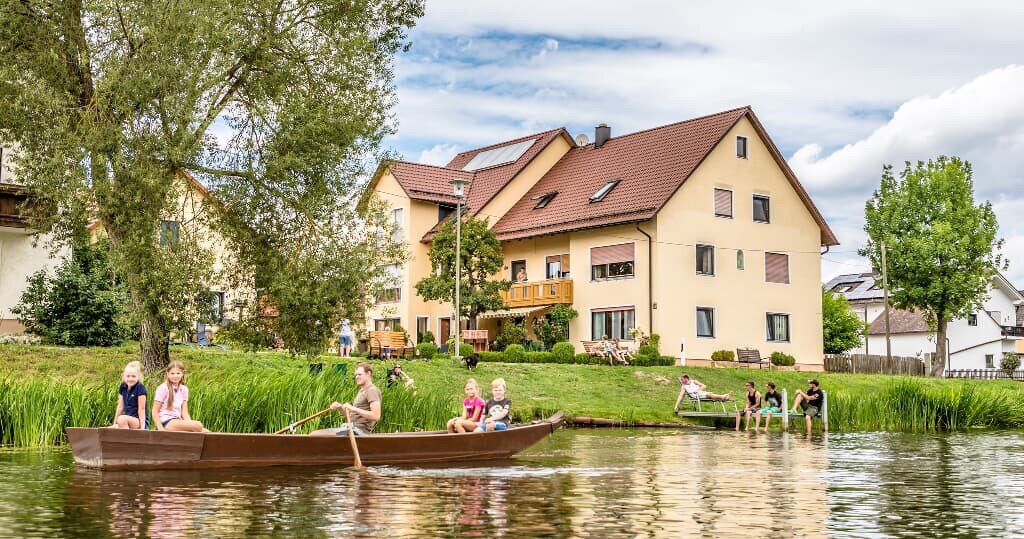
<point>472,409</point>
<point>171,402</point>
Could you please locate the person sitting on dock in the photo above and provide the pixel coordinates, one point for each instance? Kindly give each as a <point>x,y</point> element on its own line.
<point>753,405</point>
<point>773,402</point>
<point>364,410</point>
<point>697,391</point>
<point>809,402</point>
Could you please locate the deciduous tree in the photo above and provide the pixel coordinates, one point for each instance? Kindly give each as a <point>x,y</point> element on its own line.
<point>942,248</point>
<point>843,329</point>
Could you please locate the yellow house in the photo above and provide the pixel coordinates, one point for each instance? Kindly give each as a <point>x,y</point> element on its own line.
<point>698,231</point>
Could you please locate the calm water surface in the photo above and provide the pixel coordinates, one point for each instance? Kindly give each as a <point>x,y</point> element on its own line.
<point>581,483</point>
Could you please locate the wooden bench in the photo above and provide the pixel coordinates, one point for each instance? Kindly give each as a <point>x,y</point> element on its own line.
<point>394,341</point>
<point>750,356</point>
<point>594,348</point>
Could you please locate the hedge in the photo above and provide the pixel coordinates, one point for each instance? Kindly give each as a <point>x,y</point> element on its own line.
<point>578,359</point>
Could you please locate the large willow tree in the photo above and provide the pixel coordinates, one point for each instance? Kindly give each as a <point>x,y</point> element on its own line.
<point>275,105</point>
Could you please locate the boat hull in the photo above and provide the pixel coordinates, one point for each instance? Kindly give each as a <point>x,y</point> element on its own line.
<point>113,449</point>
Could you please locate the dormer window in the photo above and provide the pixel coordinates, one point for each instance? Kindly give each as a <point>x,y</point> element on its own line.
<point>741,147</point>
<point>544,199</point>
<point>603,191</point>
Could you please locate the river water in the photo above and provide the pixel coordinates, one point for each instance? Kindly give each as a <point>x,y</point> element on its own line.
<point>578,483</point>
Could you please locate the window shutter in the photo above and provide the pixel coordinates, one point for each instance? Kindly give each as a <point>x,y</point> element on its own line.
<point>565,263</point>
<point>723,203</point>
<point>776,268</point>
<point>613,309</point>
<point>611,254</point>
<point>553,259</point>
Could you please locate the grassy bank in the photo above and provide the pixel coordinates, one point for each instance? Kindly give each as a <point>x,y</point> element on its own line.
<point>43,389</point>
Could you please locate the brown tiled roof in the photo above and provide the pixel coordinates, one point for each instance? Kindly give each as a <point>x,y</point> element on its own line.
<point>651,166</point>
<point>901,322</point>
<point>427,182</point>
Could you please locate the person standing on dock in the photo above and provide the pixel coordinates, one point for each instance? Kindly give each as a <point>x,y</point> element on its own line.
<point>753,405</point>
<point>364,410</point>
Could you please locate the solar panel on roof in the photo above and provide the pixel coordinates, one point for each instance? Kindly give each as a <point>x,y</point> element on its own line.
<point>499,156</point>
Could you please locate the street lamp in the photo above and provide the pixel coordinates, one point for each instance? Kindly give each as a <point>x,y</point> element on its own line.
<point>458,184</point>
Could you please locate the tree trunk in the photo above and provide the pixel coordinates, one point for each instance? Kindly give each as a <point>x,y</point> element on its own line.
<point>153,344</point>
<point>939,360</point>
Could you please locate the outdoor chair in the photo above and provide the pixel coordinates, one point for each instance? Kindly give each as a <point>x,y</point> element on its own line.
<point>696,405</point>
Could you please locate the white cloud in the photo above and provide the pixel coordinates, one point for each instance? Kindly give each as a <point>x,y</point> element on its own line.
<point>439,155</point>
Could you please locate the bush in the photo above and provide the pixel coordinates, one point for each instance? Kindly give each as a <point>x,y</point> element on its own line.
<point>654,361</point>
<point>511,333</point>
<point>539,357</point>
<point>655,341</point>
<point>1010,363</point>
<point>647,350</point>
<point>515,353</point>
<point>783,360</point>
<point>723,355</point>
<point>426,350</point>
<point>465,349</point>
<point>563,352</point>
<point>495,357</point>
<point>425,337</point>
<point>249,335</point>
<point>554,327</point>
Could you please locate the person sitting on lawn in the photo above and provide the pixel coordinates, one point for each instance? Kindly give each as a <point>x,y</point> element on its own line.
<point>809,402</point>
<point>773,405</point>
<point>396,375</point>
<point>753,405</point>
<point>697,391</point>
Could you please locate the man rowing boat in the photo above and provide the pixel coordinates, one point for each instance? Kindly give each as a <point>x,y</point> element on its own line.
<point>364,410</point>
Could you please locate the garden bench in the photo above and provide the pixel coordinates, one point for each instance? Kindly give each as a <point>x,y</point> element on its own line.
<point>749,356</point>
<point>395,340</point>
<point>594,348</point>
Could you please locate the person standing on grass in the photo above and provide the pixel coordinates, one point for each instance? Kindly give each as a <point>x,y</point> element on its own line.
<point>773,405</point>
<point>171,402</point>
<point>364,410</point>
<point>472,410</point>
<point>697,391</point>
<point>345,338</point>
<point>753,405</point>
<point>498,408</point>
<point>131,399</point>
<point>809,402</point>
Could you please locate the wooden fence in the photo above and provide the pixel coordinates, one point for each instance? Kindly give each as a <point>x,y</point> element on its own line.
<point>985,374</point>
<point>875,364</point>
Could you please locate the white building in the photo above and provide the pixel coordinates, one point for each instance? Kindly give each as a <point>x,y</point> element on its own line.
<point>977,341</point>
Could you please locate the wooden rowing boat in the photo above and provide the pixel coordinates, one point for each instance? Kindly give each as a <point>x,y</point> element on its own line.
<point>113,449</point>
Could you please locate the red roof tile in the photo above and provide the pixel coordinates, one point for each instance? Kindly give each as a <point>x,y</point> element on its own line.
<point>427,182</point>
<point>900,321</point>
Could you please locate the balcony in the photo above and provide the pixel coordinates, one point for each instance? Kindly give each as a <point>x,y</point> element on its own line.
<point>532,294</point>
<point>12,199</point>
<point>1013,331</point>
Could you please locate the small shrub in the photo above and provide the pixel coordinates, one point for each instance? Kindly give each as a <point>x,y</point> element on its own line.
<point>540,357</point>
<point>654,361</point>
<point>511,333</point>
<point>655,341</point>
<point>496,357</point>
<point>723,355</point>
<point>584,358</point>
<point>515,353</point>
<point>425,337</point>
<point>426,350</point>
<point>534,346</point>
<point>465,349</point>
<point>1010,363</point>
<point>781,359</point>
<point>647,350</point>
<point>563,352</point>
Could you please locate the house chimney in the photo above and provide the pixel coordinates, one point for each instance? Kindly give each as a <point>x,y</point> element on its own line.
<point>601,135</point>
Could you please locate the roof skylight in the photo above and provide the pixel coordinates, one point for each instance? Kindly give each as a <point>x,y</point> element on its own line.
<point>603,191</point>
<point>545,199</point>
<point>499,156</point>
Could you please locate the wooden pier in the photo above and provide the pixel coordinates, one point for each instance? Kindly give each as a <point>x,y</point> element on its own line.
<point>698,410</point>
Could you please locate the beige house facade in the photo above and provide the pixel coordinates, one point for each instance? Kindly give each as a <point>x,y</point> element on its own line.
<point>697,231</point>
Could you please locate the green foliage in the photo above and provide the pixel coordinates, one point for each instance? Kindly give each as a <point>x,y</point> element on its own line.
<point>554,327</point>
<point>563,352</point>
<point>248,335</point>
<point>425,337</point>
<point>655,341</point>
<point>723,355</point>
<point>782,359</point>
<point>112,104</point>
<point>515,353</point>
<point>480,259</point>
<point>648,350</point>
<point>465,349</point>
<point>426,350</point>
<point>653,361</point>
<point>83,304</point>
<point>511,333</point>
<point>942,249</point>
<point>1009,363</point>
<point>843,329</point>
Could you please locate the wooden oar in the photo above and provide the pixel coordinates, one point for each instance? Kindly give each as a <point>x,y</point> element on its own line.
<point>297,423</point>
<point>358,464</point>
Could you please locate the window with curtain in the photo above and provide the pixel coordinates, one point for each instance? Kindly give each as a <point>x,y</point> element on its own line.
<point>615,323</point>
<point>392,291</point>
<point>723,203</point>
<point>385,324</point>
<point>778,327</point>
<point>705,259</point>
<point>705,322</point>
<point>762,209</point>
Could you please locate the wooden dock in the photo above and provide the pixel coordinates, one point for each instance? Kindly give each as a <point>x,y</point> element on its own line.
<point>698,412</point>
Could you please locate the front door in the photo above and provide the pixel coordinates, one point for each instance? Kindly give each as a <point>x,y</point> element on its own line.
<point>444,326</point>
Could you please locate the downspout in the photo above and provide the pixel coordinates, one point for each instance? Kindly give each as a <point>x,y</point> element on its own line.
<point>825,252</point>
<point>650,277</point>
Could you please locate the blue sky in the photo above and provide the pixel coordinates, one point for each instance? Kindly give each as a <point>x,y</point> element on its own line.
<point>842,89</point>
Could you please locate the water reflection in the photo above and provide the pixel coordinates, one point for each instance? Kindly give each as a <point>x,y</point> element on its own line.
<point>579,483</point>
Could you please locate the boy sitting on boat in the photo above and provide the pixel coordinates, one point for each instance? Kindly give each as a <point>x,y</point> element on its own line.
<point>498,408</point>
<point>364,411</point>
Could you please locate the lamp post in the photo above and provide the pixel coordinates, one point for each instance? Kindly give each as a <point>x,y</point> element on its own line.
<point>457,187</point>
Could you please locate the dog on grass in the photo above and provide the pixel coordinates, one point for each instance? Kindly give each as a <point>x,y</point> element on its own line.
<point>471,360</point>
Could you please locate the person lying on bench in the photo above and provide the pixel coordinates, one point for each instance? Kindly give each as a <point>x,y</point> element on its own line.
<point>810,402</point>
<point>697,391</point>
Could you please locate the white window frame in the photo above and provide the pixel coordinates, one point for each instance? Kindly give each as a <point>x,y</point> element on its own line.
<point>714,259</point>
<point>770,210</point>
<point>987,356</point>
<point>789,327</point>
<point>732,202</point>
<point>427,317</point>
<point>789,268</point>
<point>746,147</point>
<point>714,322</point>
<point>613,308</point>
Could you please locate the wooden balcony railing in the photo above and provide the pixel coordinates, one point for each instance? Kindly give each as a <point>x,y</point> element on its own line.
<point>533,293</point>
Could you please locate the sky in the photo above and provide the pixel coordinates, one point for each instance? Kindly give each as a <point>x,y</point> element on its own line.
<point>841,89</point>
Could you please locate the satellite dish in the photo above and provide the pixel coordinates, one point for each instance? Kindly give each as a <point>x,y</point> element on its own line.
<point>582,140</point>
